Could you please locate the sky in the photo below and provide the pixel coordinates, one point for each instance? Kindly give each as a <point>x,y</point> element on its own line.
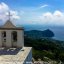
<point>33,12</point>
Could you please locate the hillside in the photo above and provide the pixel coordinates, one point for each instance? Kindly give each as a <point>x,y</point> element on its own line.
<point>39,34</point>
<point>44,46</point>
<point>51,49</point>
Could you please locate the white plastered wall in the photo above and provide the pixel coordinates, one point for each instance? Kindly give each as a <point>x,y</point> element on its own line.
<point>20,38</point>
<point>0,39</point>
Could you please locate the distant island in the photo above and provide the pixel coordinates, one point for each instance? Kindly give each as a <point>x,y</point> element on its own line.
<point>37,34</point>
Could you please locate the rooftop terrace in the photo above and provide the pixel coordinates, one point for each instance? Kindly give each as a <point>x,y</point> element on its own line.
<point>13,55</point>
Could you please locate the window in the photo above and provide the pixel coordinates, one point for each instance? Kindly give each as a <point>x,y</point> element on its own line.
<point>4,36</point>
<point>14,36</point>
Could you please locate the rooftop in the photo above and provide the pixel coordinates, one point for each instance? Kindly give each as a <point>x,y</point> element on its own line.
<point>10,26</point>
<point>13,55</point>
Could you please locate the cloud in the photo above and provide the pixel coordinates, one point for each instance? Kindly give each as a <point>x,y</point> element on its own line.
<point>14,14</point>
<point>48,18</point>
<point>56,18</point>
<point>44,6</point>
<point>44,18</point>
<point>4,9</point>
<point>58,13</point>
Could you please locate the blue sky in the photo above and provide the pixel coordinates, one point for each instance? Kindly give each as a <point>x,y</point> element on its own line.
<point>42,12</point>
<point>55,4</point>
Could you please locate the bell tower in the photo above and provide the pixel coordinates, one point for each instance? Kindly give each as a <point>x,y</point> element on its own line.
<point>10,35</point>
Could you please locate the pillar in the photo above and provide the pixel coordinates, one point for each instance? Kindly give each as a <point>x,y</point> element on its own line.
<point>20,38</point>
<point>0,39</point>
<point>8,39</point>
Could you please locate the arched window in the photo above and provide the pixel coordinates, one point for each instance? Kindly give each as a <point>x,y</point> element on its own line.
<point>4,36</point>
<point>14,36</point>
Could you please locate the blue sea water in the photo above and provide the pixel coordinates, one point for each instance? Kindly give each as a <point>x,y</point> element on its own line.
<point>57,30</point>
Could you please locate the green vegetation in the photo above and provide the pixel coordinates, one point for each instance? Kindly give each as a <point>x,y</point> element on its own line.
<point>49,48</point>
<point>37,34</point>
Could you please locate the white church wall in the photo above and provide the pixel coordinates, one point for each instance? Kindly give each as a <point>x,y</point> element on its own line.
<point>20,42</point>
<point>8,43</point>
<point>8,38</point>
<point>0,40</point>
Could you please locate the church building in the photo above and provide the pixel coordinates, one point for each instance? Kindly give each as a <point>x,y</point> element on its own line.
<point>12,49</point>
<point>11,36</point>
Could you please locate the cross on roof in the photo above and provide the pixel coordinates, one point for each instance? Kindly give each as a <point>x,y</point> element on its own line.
<point>9,15</point>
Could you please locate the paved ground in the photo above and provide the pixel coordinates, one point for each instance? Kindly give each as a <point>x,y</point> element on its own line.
<point>13,55</point>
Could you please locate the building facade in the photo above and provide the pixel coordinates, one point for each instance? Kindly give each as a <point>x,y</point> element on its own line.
<point>11,36</point>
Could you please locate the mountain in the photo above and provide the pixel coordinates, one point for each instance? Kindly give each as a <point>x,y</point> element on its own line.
<point>39,34</point>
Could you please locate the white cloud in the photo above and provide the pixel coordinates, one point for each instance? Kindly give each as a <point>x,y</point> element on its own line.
<point>56,18</point>
<point>44,6</point>
<point>14,14</point>
<point>47,18</point>
<point>4,9</point>
<point>58,13</point>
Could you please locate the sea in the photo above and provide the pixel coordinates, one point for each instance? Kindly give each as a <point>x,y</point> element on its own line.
<point>57,30</point>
